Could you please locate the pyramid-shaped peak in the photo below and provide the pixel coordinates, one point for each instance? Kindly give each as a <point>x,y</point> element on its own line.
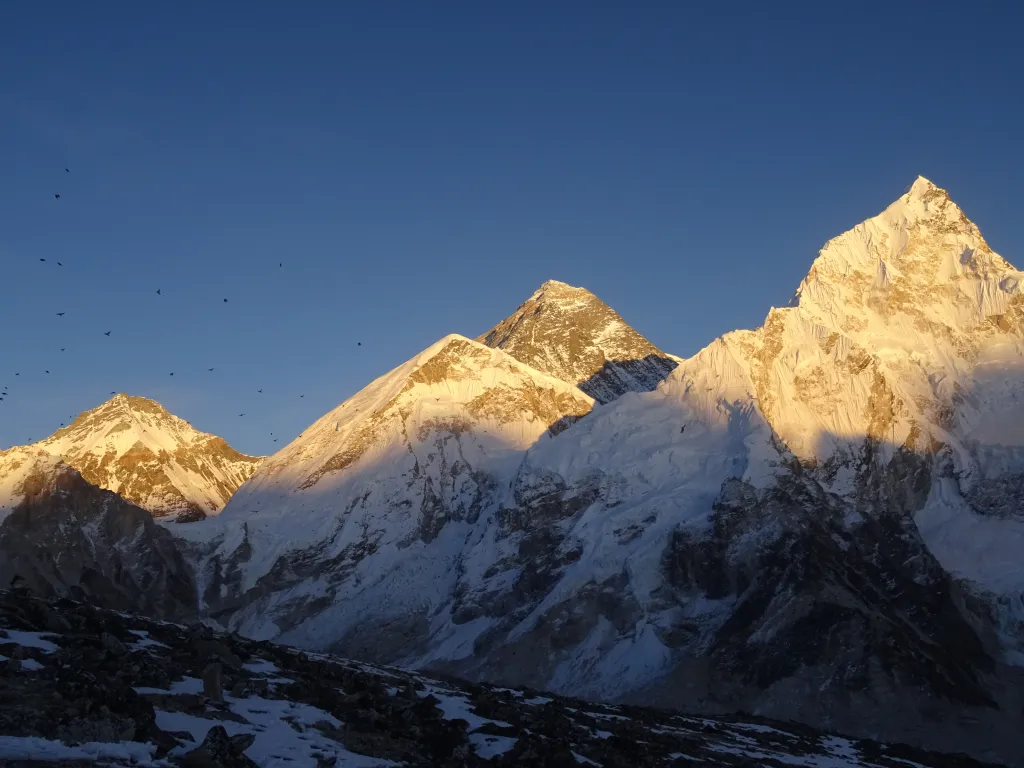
<point>556,289</point>
<point>569,333</point>
<point>922,187</point>
<point>135,447</point>
<point>134,403</point>
<point>920,257</point>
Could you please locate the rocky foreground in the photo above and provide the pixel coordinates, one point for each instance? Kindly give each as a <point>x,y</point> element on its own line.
<point>85,686</point>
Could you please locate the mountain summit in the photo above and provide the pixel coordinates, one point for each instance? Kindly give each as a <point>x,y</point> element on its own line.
<point>569,333</point>
<point>150,457</point>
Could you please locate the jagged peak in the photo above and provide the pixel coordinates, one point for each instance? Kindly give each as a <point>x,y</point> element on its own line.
<point>137,448</point>
<point>122,406</point>
<point>569,333</point>
<point>455,356</point>
<point>554,290</point>
<point>927,203</point>
<point>147,420</point>
<point>133,403</point>
<point>923,187</point>
<point>449,340</point>
<point>922,239</point>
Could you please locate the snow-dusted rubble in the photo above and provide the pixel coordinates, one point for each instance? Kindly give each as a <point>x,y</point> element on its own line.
<point>84,700</point>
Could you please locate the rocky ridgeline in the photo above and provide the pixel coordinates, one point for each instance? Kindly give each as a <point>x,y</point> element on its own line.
<point>85,686</point>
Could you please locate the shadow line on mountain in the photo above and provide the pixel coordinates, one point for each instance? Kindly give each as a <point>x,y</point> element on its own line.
<point>644,375</point>
<point>855,574</point>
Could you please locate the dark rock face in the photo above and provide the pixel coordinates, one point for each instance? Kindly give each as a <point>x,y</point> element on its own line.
<point>219,750</point>
<point>70,538</point>
<point>999,497</point>
<point>857,600</point>
<point>64,682</point>
<point>569,333</point>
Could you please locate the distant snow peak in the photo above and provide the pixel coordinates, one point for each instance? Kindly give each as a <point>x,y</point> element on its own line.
<point>556,289</point>
<point>568,332</point>
<point>922,187</point>
<point>921,257</point>
<point>138,449</point>
<point>457,393</point>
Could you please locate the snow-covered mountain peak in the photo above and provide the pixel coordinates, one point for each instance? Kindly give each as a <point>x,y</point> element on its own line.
<point>903,322</point>
<point>569,333</point>
<point>559,292</point>
<point>920,260</point>
<point>135,447</point>
<point>923,187</point>
<point>456,386</point>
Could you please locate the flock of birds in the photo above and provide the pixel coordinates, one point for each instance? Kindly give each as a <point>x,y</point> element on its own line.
<point>6,394</point>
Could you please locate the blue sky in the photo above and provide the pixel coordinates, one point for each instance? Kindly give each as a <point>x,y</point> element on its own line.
<point>420,168</point>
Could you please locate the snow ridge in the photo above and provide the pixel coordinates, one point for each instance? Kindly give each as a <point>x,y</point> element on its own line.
<point>135,447</point>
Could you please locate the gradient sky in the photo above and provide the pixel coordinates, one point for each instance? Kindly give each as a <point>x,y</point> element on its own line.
<point>420,168</point>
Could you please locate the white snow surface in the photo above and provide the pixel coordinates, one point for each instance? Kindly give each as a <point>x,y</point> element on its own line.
<point>106,443</point>
<point>28,639</point>
<point>98,753</point>
<point>19,464</point>
<point>284,733</point>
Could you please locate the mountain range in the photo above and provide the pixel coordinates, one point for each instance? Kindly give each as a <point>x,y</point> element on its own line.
<point>817,520</point>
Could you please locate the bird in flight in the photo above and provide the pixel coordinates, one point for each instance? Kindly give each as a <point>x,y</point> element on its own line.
<point>209,369</point>
<point>62,349</point>
<point>225,301</point>
<point>47,371</point>
<point>172,373</point>
<point>359,343</point>
<point>158,292</point>
<point>241,414</point>
<point>106,333</point>
<point>59,264</point>
<point>42,259</point>
<point>113,393</point>
<point>57,196</point>
<point>260,391</point>
<point>301,395</point>
<point>275,439</point>
<point>60,314</point>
